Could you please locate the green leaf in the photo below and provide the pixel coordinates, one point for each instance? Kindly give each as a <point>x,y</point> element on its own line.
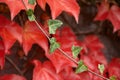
<point>81,67</point>
<point>101,68</point>
<point>30,14</point>
<point>76,50</point>
<point>53,25</point>
<point>32,2</point>
<point>53,45</point>
<point>113,78</point>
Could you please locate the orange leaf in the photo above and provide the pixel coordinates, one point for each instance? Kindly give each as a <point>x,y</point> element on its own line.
<point>32,35</point>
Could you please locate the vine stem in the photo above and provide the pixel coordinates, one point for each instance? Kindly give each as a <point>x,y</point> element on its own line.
<point>42,30</point>
<point>64,53</point>
<point>72,59</point>
<point>14,65</point>
<point>98,74</point>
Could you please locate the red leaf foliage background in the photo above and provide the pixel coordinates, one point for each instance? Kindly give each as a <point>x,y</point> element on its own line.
<point>55,66</point>
<point>111,13</point>
<point>69,6</point>
<point>114,68</point>
<point>11,77</point>
<point>91,58</point>
<point>13,31</point>
<point>63,38</point>
<point>2,54</point>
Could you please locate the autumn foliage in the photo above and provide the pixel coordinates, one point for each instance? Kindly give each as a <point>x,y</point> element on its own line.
<point>57,66</point>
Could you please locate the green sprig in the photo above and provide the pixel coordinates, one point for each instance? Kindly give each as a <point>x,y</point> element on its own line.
<point>81,67</point>
<point>32,2</point>
<point>76,50</point>
<point>53,45</point>
<point>101,68</point>
<point>30,14</point>
<point>54,25</point>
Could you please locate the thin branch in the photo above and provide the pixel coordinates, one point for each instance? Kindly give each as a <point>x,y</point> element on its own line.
<point>24,4</point>
<point>42,30</point>
<point>14,65</point>
<point>64,53</point>
<point>20,20</point>
<point>37,23</point>
<point>85,2</point>
<point>98,75</point>
<point>72,59</point>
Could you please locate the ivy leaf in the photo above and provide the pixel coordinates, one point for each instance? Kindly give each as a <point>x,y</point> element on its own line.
<point>53,45</point>
<point>101,68</point>
<point>76,50</point>
<point>30,14</point>
<point>31,1</point>
<point>81,67</point>
<point>112,78</point>
<point>53,25</point>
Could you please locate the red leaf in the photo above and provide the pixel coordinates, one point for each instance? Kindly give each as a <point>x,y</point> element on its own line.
<point>65,32</point>
<point>92,55</point>
<point>114,17</point>
<point>114,68</point>
<point>60,61</point>
<point>32,35</point>
<point>12,77</point>
<point>42,3</point>
<point>112,14</point>
<point>92,59</point>
<point>57,6</point>
<point>2,54</point>
<point>44,71</point>
<point>69,74</point>
<point>69,6</point>
<point>16,6</point>
<point>84,76</point>
<point>92,43</point>
<point>103,11</point>
<point>10,32</point>
<point>67,39</point>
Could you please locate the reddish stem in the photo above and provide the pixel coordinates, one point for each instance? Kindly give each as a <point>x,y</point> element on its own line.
<point>14,65</point>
